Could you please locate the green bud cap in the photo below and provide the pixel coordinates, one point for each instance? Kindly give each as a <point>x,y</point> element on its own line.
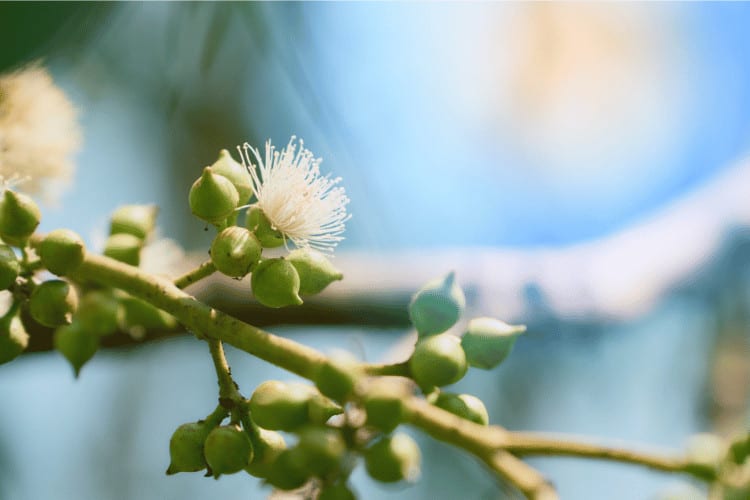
<point>268,445</point>
<point>13,336</point>
<point>258,223</point>
<point>437,306</point>
<point>98,312</point>
<point>76,344</point>
<point>338,491</point>
<point>488,341</point>
<point>393,459</point>
<point>124,247</point>
<point>227,450</point>
<point>275,283</point>
<point>186,448</point>
<point>53,303</point>
<point>465,406</point>
<point>213,197</point>
<point>288,471</point>
<point>9,267</point>
<point>138,317</point>
<point>235,251</point>
<point>320,409</point>
<point>62,251</point>
<point>315,271</point>
<point>336,377</point>
<point>384,404</point>
<point>323,449</point>
<point>138,220</point>
<point>280,406</point>
<point>19,217</point>
<point>237,174</point>
<point>438,360</point>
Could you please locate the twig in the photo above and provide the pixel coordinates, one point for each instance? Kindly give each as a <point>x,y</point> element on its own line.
<point>204,270</point>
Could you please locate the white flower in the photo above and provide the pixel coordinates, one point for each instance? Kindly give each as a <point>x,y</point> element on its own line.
<point>307,208</point>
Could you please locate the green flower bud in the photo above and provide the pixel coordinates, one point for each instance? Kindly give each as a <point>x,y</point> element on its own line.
<point>227,450</point>
<point>13,336</point>
<point>76,344</point>
<point>258,223</point>
<point>137,220</point>
<point>487,341</point>
<point>98,312</point>
<point>336,377</point>
<point>9,267</point>
<point>213,197</point>
<point>465,406</point>
<point>437,306</point>
<point>740,449</point>
<point>280,406</point>
<point>393,458</point>
<point>320,409</point>
<point>124,247</point>
<point>268,445</point>
<point>315,271</point>
<point>275,283</point>
<point>237,174</point>
<point>438,360</point>
<point>384,403</point>
<point>62,251</point>
<point>338,491</point>
<point>322,449</point>
<point>138,317</point>
<point>19,217</point>
<point>288,471</point>
<point>235,251</point>
<point>53,303</point>
<point>186,447</point>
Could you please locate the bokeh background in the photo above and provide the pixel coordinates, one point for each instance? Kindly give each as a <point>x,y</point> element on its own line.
<point>581,166</point>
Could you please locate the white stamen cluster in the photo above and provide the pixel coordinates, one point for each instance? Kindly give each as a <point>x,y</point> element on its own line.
<point>307,208</point>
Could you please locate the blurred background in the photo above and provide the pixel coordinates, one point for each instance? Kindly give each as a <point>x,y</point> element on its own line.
<point>581,166</point>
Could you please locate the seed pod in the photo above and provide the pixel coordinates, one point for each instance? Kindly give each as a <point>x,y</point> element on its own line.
<point>235,251</point>
<point>315,271</point>
<point>438,360</point>
<point>393,459</point>
<point>275,283</point>
<point>437,306</point>
<point>19,217</point>
<point>13,336</point>
<point>258,223</point>
<point>268,445</point>
<point>280,406</point>
<point>384,404</point>
<point>336,377</point>
<point>465,406</point>
<point>186,447</point>
<point>137,220</point>
<point>53,303</point>
<point>213,197</point>
<point>322,449</point>
<point>76,344</point>
<point>62,251</point>
<point>9,267</point>
<point>488,341</point>
<point>124,247</point>
<point>338,491</point>
<point>227,450</point>
<point>288,471</point>
<point>98,312</point>
<point>237,174</point>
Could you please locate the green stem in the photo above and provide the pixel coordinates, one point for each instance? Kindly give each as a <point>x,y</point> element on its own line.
<point>395,369</point>
<point>229,395</point>
<point>204,270</point>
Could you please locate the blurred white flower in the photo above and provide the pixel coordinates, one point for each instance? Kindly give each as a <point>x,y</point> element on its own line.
<point>308,209</point>
<point>38,132</point>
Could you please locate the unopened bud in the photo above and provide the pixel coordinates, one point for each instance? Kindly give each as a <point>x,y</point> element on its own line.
<point>275,283</point>
<point>98,312</point>
<point>186,448</point>
<point>213,197</point>
<point>19,217</point>
<point>393,459</point>
<point>336,376</point>
<point>76,344</point>
<point>13,336</point>
<point>62,251</point>
<point>464,406</point>
<point>235,251</point>
<point>237,174</point>
<point>438,360</point>
<point>124,247</point>
<point>437,306</point>
<point>488,341</point>
<point>138,220</point>
<point>315,271</point>
<point>9,267</point>
<point>258,223</point>
<point>53,303</point>
<point>280,406</point>
<point>267,445</point>
<point>227,450</point>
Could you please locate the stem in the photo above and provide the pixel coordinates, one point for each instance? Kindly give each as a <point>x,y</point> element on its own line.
<point>396,369</point>
<point>527,479</point>
<point>229,395</point>
<point>204,270</point>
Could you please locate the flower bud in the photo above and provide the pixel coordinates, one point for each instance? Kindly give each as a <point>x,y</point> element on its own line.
<point>13,336</point>
<point>465,406</point>
<point>237,174</point>
<point>336,376</point>
<point>338,491</point>
<point>267,445</point>
<point>322,449</point>
<point>98,312</point>
<point>235,251</point>
<point>213,197</point>
<point>53,303</point>
<point>258,223</point>
<point>438,360</point>
<point>393,458</point>
<point>275,283</point>
<point>384,404</point>
<point>62,251</point>
<point>19,217</point>
<point>288,471</point>
<point>320,409</point>
<point>76,344</point>
<point>137,220</point>
<point>315,271</point>
<point>280,406</point>
<point>227,450</point>
<point>124,247</point>
<point>9,267</point>
<point>186,447</point>
<point>488,341</point>
<point>437,306</point>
